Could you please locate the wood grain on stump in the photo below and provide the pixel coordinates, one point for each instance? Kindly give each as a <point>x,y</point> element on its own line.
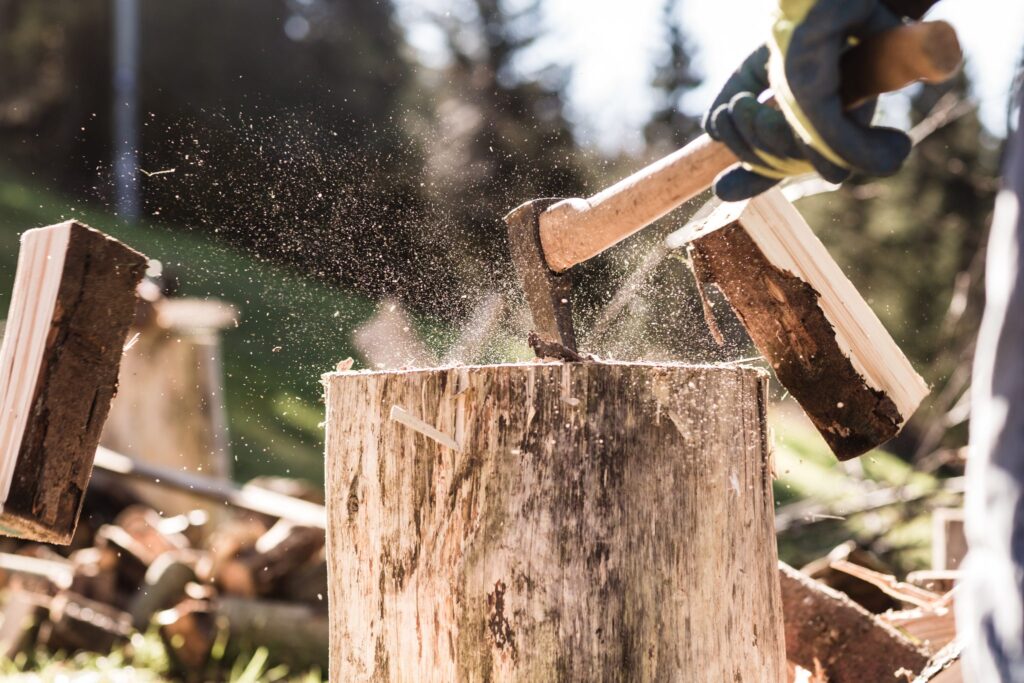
<point>551,522</point>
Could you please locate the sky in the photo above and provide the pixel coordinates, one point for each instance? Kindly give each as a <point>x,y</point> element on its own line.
<point>610,45</point>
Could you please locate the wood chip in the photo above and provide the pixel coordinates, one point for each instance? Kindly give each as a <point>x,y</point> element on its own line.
<point>404,417</point>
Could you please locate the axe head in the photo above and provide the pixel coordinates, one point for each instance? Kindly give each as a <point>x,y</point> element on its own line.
<point>548,293</point>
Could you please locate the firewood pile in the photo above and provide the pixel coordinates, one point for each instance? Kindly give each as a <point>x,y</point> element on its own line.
<point>208,589</point>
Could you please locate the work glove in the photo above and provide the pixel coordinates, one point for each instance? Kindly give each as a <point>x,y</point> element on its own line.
<point>810,131</point>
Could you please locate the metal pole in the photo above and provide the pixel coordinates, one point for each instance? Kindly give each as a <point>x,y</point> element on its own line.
<point>125,105</point>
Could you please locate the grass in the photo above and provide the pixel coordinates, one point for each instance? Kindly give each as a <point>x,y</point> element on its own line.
<point>292,330</point>
<point>143,659</point>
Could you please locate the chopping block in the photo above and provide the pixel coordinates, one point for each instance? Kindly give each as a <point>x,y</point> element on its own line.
<point>552,521</point>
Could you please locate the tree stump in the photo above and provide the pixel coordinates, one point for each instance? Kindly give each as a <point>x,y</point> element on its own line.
<point>170,409</point>
<point>552,522</point>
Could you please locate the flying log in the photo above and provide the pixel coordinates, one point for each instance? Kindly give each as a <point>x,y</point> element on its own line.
<point>72,304</point>
<point>825,344</point>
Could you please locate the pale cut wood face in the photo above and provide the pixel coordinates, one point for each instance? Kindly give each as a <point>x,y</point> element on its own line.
<point>40,269</point>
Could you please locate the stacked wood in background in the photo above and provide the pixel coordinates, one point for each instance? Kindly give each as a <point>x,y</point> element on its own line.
<point>572,522</point>
<point>260,580</point>
<point>254,581</point>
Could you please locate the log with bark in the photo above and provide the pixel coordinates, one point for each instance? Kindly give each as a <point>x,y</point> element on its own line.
<point>138,540</point>
<point>825,344</point>
<point>296,635</point>
<point>72,304</point>
<point>77,623</point>
<point>571,522</point>
<point>827,630</point>
<point>164,586</point>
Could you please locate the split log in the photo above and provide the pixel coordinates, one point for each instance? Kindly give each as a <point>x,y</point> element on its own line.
<point>534,522</point>
<point>824,342</point>
<point>945,667</point>
<point>826,628</point>
<point>73,300</point>
<point>866,594</point>
<point>933,628</point>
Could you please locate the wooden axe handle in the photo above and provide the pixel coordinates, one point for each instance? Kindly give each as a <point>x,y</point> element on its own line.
<point>575,230</point>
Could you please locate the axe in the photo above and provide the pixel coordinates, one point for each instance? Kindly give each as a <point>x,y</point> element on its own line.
<point>547,237</point>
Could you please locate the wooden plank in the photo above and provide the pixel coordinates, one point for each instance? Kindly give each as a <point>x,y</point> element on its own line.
<point>598,521</point>
<point>251,498</point>
<point>73,301</point>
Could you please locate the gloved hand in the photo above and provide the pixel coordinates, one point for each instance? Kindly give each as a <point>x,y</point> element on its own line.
<point>810,131</point>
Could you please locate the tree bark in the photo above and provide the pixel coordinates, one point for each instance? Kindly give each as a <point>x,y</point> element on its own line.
<point>551,522</point>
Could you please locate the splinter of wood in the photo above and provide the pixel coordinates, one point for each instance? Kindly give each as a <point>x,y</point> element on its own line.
<point>404,417</point>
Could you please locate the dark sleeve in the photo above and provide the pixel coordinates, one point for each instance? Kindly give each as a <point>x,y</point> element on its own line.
<point>990,617</point>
